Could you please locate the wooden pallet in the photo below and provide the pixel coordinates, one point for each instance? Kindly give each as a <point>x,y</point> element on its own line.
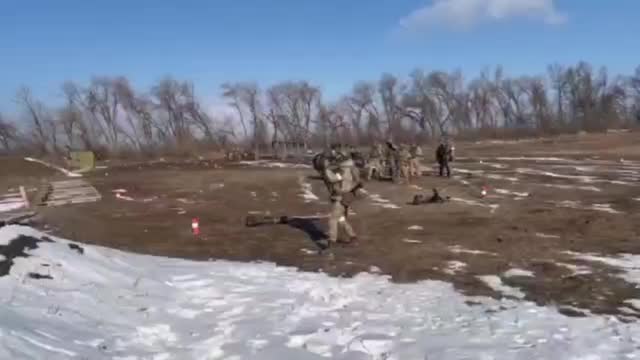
<point>15,217</point>
<point>66,192</point>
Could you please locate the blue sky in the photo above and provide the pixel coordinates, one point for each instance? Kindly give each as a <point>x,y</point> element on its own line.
<point>332,43</point>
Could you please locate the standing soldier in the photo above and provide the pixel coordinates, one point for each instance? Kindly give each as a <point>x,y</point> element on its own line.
<point>416,155</point>
<point>391,157</point>
<point>342,184</point>
<point>404,162</point>
<point>374,164</point>
<point>444,155</point>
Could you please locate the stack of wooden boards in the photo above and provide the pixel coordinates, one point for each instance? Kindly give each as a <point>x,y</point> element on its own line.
<point>65,192</point>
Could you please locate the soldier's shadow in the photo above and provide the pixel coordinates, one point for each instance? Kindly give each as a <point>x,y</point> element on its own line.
<point>312,228</point>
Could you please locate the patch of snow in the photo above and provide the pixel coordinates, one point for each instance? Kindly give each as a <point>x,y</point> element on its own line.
<point>454,267</point>
<point>492,207</point>
<point>502,177</point>
<point>581,168</point>
<point>524,158</point>
<point>496,165</point>
<point>605,208</point>
<point>547,236</point>
<point>119,191</point>
<point>124,197</point>
<point>495,283</point>
<point>578,205</point>
<point>467,171</point>
<point>108,303</point>
<point>216,186</point>
<point>515,272</point>
<point>635,303</point>
<point>509,192</point>
<point>636,199</point>
<point>504,142</point>
<point>576,269</point>
<point>382,202</point>
<point>272,164</point>
<point>415,228</point>
<point>62,170</point>
<point>461,250</point>
<point>572,187</point>
<point>582,178</point>
<point>628,264</point>
<point>461,180</point>
<point>410,241</point>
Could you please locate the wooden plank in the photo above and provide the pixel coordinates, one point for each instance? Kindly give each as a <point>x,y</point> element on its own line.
<point>15,217</point>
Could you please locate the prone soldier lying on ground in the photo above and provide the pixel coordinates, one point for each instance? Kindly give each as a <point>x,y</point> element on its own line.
<point>434,199</point>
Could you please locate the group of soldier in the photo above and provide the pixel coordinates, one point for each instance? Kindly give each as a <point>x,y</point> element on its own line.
<point>403,162</point>
<point>340,171</point>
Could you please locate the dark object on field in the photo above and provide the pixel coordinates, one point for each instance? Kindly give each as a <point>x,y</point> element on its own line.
<point>40,276</point>
<point>307,224</point>
<point>254,220</point>
<point>434,199</point>
<point>77,248</point>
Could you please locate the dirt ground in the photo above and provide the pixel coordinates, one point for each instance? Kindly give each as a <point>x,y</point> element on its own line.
<point>548,199</point>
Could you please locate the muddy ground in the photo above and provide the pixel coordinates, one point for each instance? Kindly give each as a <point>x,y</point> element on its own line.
<point>548,200</point>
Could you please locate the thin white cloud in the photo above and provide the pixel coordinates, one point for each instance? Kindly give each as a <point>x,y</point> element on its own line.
<point>466,14</point>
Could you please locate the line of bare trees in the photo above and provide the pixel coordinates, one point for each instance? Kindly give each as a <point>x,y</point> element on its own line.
<point>110,116</point>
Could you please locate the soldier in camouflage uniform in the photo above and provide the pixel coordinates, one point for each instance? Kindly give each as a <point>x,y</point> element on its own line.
<point>404,162</point>
<point>342,183</point>
<point>391,161</point>
<point>444,155</point>
<point>416,156</point>
<point>374,164</point>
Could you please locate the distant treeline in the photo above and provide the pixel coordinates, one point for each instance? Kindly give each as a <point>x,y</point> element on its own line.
<point>110,117</point>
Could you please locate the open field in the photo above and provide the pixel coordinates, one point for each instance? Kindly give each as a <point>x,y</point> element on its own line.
<point>557,217</point>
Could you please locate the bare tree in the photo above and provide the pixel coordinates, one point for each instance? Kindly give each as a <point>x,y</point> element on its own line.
<point>233,93</point>
<point>245,98</point>
<point>37,115</point>
<point>8,133</point>
<point>541,110</point>
<point>102,103</point>
<point>390,91</point>
<point>559,83</point>
<point>363,106</point>
<point>295,103</point>
<point>172,99</point>
<point>634,89</point>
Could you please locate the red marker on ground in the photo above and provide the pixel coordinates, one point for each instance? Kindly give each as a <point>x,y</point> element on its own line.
<point>195,226</point>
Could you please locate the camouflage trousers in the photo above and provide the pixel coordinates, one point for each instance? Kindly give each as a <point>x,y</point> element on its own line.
<point>415,167</point>
<point>374,167</point>
<point>405,169</point>
<point>338,220</point>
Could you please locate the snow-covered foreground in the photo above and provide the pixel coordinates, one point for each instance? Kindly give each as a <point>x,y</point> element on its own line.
<point>98,303</point>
